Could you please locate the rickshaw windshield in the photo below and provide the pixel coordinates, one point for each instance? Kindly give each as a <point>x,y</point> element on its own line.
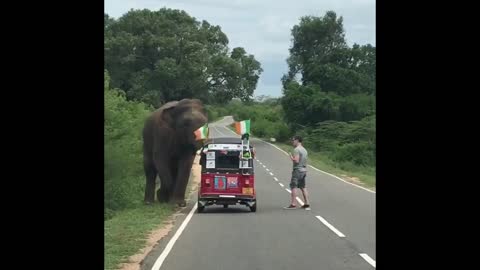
<point>224,156</point>
<point>223,160</point>
<point>229,160</point>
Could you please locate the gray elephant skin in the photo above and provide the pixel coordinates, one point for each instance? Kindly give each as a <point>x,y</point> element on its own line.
<point>169,148</point>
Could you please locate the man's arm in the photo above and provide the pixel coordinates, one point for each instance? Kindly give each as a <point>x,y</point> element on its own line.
<point>296,156</point>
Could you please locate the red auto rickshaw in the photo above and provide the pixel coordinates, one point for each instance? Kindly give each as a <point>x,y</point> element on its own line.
<point>228,176</point>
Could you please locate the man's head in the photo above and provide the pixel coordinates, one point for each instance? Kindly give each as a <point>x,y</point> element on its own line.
<point>296,140</point>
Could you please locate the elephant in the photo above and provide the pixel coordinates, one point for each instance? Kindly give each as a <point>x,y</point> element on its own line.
<point>169,148</point>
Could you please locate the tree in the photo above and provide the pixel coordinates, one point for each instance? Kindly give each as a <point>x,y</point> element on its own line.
<point>321,56</point>
<point>337,82</point>
<point>315,41</point>
<point>249,71</point>
<point>158,56</point>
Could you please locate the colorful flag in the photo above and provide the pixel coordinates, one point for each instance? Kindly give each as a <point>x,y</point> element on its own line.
<point>243,127</point>
<point>201,133</point>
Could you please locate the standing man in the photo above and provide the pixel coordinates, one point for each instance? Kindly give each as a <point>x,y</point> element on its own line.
<point>299,159</point>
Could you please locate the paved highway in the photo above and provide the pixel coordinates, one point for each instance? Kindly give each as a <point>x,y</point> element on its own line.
<point>337,233</point>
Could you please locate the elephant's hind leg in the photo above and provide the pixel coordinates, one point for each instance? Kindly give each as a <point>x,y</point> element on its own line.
<point>163,194</point>
<point>166,183</point>
<point>150,175</point>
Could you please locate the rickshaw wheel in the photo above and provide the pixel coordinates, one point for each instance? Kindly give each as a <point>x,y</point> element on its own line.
<point>200,208</point>
<point>254,207</point>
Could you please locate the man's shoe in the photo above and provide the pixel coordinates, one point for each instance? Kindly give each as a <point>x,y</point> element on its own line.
<point>291,206</point>
<point>306,206</point>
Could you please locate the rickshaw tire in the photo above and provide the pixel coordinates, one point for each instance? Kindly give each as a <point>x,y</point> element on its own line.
<point>200,208</point>
<point>254,207</point>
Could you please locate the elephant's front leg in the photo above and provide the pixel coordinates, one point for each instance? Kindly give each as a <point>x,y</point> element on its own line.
<point>183,174</point>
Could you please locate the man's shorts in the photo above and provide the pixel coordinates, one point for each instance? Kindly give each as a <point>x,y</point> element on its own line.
<point>298,179</point>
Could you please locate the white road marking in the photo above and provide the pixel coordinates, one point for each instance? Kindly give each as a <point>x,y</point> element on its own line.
<point>271,173</point>
<point>337,232</point>
<point>264,166</point>
<point>218,131</point>
<point>275,179</point>
<point>368,259</point>
<point>168,248</point>
<point>231,131</point>
<point>281,184</point>
<point>276,147</point>
<point>268,170</point>
<point>299,201</point>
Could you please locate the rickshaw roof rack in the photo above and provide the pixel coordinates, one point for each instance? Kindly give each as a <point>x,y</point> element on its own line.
<point>224,140</point>
<point>226,143</point>
<point>225,146</point>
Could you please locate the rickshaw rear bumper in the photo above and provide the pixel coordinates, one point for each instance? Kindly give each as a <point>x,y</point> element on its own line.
<point>227,199</point>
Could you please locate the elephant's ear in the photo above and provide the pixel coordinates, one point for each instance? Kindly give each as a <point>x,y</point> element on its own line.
<point>166,111</point>
<point>169,105</point>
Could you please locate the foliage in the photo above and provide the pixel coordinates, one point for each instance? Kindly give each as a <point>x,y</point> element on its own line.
<point>308,105</point>
<point>158,56</point>
<point>267,117</point>
<point>345,141</point>
<point>123,169</point>
<point>333,105</point>
<point>321,56</point>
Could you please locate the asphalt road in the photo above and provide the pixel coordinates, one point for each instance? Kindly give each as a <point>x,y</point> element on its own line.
<point>337,233</point>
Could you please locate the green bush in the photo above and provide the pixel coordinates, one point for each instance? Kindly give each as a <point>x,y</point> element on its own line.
<point>267,119</point>
<point>212,113</point>
<point>352,142</point>
<point>283,132</point>
<point>261,128</point>
<point>361,154</point>
<point>123,169</point>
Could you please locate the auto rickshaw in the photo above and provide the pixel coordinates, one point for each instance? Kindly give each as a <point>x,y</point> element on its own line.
<point>228,176</point>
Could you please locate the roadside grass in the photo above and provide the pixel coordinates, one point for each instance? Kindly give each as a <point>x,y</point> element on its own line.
<point>126,233</point>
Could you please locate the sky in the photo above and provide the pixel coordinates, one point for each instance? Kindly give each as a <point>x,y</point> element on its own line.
<point>263,27</point>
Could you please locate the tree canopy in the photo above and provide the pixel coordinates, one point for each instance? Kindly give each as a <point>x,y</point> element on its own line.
<point>158,56</point>
<point>336,82</point>
<point>329,91</point>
